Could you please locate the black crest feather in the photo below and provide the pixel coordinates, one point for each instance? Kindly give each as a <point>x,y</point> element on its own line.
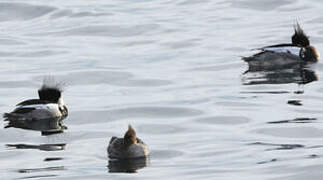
<point>50,90</point>
<point>300,38</point>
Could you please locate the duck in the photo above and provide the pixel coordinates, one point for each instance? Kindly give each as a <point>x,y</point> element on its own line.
<point>45,113</point>
<point>285,55</point>
<point>130,146</point>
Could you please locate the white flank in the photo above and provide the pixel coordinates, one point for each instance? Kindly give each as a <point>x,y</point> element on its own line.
<point>288,49</point>
<point>51,106</point>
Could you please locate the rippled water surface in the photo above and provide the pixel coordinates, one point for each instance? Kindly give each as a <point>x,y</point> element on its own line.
<point>171,69</point>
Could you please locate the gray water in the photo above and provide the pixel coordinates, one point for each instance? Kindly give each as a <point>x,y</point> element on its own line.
<point>171,69</point>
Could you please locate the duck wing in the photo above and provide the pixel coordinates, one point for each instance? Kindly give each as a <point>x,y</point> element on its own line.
<point>278,46</point>
<point>32,102</point>
<point>116,148</point>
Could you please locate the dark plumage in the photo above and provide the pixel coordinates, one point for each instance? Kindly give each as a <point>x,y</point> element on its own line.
<point>51,94</point>
<point>127,147</point>
<point>32,102</point>
<point>300,38</point>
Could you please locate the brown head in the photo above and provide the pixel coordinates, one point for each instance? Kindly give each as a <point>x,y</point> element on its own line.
<point>310,54</point>
<point>130,136</point>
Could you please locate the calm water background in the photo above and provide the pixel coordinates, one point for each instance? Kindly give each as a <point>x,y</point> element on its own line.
<point>173,70</point>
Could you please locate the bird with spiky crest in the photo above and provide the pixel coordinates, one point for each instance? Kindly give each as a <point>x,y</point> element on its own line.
<point>130,146</point>
<point>300,38</point>
<point>44,114</point>
<point>285,55</point>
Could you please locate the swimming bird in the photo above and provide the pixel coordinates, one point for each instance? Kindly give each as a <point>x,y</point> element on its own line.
<point>286,55</point>
<point>44,114</point>
<point>127,147</point>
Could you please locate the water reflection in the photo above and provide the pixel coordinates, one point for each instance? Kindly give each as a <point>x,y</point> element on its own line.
<point>299,75</point>
<point>56,168</point>
<point>268,161</point>
<point>128,165</point>
<point>39,176</point>
<point>296,120</point>
<point>295,102</point>
<point>41,170</point>
<point>279,146</point>
<point>53,159</point>
<point>46,126</point>
<point>42,147</point>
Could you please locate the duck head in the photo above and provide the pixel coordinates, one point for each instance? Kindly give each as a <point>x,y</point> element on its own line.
<point>309,54</point>
<point>51,94</point>
<point>51,91</point>
<point>130,137</point>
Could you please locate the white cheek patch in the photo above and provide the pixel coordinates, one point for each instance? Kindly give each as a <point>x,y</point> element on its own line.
<point>60,101</point>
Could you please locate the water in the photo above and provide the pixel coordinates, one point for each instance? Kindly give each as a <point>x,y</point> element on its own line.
<point>173,70</point>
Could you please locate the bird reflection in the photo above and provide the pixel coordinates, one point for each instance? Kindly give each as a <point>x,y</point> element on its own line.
<point>46,126</point>
<point>42,147</point>
<point>127,165</point>
<point>47,169</point>
<point>296,120</point>
<point>300,75</point>
<point>47,172</point>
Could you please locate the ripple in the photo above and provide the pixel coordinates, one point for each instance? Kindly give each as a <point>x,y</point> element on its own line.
<point>297,9</point>
<point>265,92</point>
<point>279,146</point>
<point>5,41</point>
<point>221,67</point>
<point>268,161</point>
<point>238,104</point>
<point>56,168</point>
<point>154,112</point>
<point>22,11</point>
<point>192,2</point>
<point>92,77</point>
<point>42,147</point>
<point>39,176</point>
<point>108,77</point>
<point>181,44</point>
<point>261,5</point>
<point>143,82</point>
<point>313,171</point>
<point>159,129</point>
<point>295,132</point>
<point>165,154</point>
<point>296,120</point>
<point>106,30</point>
<point>229,120</point>
<point>135,43</point>
<point>33,54</point>
<point>17,84</point>
<point>40,53</point>
<point>70,13</point>
<point>86,117</point>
